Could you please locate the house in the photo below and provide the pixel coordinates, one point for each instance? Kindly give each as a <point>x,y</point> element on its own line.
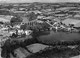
<point>36,11</point>
<point>40,17</point>
<point>17,26</point>
<point>28,32</point>
<point>20,32</point>
<point>11,32</point>
<point>75,22</point>
<point>3,29</point>
<point>39,21</point>
<point>56,20</point>
<point>19,12</point>
<point>49,17</point>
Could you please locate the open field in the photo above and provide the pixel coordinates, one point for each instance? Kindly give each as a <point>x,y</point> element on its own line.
<point>47,54</point>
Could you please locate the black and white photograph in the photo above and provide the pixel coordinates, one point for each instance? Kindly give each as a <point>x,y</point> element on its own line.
<point>39,28</point>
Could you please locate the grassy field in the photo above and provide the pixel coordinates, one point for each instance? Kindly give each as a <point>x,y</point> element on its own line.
<point>55,53</point>
<point>62,53</point>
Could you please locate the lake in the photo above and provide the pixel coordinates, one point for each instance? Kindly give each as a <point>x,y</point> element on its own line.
<point>51,36</point>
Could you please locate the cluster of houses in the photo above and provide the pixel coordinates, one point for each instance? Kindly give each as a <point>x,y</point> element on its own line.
<point>8,30</point>
<point>41,19</point>
<point>44,15</point>
<point>49,17</point>
<point>68,24</point>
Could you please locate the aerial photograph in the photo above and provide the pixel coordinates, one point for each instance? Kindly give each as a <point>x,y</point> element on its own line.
<point>39,28</point>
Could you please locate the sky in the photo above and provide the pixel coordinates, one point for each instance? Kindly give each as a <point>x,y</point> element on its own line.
<point>16,1</point>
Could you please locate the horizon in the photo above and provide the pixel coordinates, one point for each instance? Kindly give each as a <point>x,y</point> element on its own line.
<point>39,1</point>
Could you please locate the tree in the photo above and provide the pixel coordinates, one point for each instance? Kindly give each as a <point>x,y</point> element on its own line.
<point>32,16</point>
<point>16,19</point>
<point>23,27</point>
<point>9,7</point>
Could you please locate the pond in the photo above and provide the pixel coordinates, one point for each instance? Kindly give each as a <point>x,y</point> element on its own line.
<point>51,36</point>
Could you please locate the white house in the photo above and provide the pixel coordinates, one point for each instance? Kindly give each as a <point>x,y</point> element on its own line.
<point>3,29</point>
<point>39,21</point>
<point>28,32</point>
<point>11,32</point>
<point>20,32</point>
<point>17,26</point>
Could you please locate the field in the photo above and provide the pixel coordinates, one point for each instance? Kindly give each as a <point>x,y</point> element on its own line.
<point>62,53</point>
<point>58,11</point>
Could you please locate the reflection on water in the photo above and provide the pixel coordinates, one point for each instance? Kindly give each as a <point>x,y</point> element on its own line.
<point>58,36</point>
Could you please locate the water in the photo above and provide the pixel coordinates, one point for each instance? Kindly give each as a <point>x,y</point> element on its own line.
<point>58,36</point>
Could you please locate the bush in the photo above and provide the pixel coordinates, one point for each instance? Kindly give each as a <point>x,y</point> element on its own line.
<point>32,16</point>
<point>16,19</point>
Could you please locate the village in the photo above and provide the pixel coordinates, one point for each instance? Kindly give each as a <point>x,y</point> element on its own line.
<point>21,21</point>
